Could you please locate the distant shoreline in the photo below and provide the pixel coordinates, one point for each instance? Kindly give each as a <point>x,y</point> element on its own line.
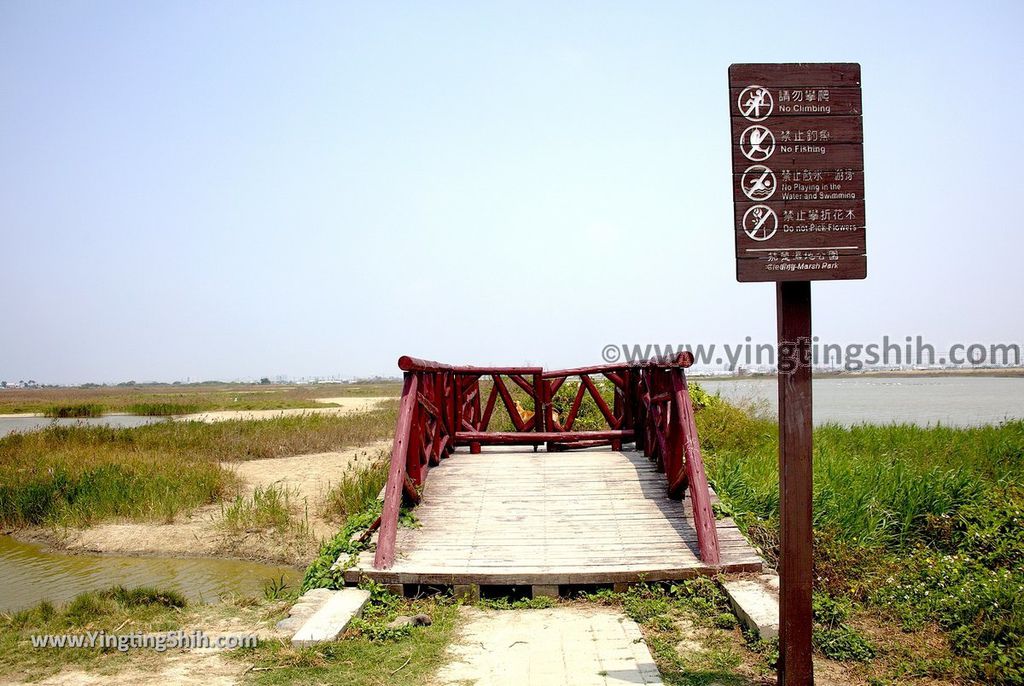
<point>1016,372</point>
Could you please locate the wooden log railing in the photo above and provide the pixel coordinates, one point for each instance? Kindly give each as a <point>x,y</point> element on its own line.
<point>443,407</point>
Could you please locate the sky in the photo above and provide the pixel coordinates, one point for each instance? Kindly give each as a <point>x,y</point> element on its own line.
<point>231,190</point>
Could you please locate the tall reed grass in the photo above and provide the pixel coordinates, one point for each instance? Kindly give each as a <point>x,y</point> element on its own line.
<point>924,525</point>
<point>76,475</point>
<point>357,489</point>
<point>876,485</point>
<point>74,411</point>
<point>271,508</point>
<point>163,409</point>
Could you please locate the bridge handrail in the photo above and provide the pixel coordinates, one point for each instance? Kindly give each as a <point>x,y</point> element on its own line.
<point>441,408</point>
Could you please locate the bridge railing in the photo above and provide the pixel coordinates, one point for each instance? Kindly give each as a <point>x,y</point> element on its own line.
<point>443,407</point>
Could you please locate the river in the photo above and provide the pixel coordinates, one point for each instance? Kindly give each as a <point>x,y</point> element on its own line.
<point>31,574</point>
<point>924,400</point>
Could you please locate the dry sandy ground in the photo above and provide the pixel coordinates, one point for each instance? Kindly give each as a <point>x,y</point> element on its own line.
<point>308,478</point>
<point>346,406</point>
<point>186,668</point>
<point>189,667</point>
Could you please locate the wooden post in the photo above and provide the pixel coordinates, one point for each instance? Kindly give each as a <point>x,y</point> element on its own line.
<point>619,414</point>
<point>549,408</point>
<point>452,385</point>
<point>795,482</point>
<point>687,455</point>
<point>385,554</point>
<point>474,448</point>
<point>414,456</point>
<point>539,414</point>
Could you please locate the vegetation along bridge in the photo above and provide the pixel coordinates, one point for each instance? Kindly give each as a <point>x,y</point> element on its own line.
<point>589,509</point>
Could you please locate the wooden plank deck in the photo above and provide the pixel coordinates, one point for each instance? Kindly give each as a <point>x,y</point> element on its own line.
<point>512,516</point>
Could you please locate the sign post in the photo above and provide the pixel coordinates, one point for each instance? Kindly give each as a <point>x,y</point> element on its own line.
<point>798,191</point>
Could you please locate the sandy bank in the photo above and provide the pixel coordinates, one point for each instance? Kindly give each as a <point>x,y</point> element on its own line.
<point>347,406</point>
<point>307,478</point>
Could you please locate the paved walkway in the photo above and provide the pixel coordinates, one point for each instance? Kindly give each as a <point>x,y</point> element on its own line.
<point>554,647</point>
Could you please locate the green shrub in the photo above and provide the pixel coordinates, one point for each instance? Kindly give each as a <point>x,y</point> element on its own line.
<point>74,411</point>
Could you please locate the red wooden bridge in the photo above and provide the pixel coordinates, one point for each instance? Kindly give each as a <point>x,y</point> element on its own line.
<point>513,515</point>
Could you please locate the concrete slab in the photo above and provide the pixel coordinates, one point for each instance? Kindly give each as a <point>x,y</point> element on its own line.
<point>756,603</point>
<point>327,623</point>
<point>552,647</point>
<point>303,608</point>
<point>545,591</point>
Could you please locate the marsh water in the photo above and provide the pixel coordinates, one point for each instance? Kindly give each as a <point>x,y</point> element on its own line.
<point>10,424</point>
<point>31,574</point>
<point>924,400</point>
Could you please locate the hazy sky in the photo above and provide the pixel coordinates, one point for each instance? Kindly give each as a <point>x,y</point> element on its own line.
<point>239,189</point>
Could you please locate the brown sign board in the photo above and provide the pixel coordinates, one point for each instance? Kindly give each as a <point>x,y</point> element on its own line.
<point>798,171</point>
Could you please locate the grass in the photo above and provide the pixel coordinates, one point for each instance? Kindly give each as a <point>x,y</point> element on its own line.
<point>693,637</point>
<point>505,603</point>
<point>272,508</point>
<point>357,489</point>
<point>917,528</point>
<point>357,497</point>
<point>164,399</point>
<point>73,411</point>
<point>919,532</point>
<point>110,610</point>
<point>369,653</point>
<point>163,409</point>
<point>80,475</point>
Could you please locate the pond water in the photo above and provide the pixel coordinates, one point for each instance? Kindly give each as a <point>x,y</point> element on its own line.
<point>31,574</point>
<point>10,424</point>
<point>927,400</point>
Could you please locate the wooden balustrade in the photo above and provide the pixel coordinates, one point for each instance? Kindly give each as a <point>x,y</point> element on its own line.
<point>442,408</point>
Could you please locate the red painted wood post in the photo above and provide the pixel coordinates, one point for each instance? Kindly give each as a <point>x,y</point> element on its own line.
<point>672,458</point>
<point>618,413</point>
<point>627,399</point>
<point>661,418</point>
<point>539,406</point>
<point>385,555</point>
<point>441,420</point>
<point>643,414</point>
<point>700,496</point>
<point>474,448</point>
<point>549,408</point>
<point>795,483</point>
<point>455,402</point>
<point>414,455</point>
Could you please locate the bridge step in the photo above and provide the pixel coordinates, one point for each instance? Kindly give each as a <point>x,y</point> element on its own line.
<point>756,603</point>
<point>322,614</point>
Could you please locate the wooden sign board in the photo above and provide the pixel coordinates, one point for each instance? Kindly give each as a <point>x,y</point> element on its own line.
<point>798,171</point>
